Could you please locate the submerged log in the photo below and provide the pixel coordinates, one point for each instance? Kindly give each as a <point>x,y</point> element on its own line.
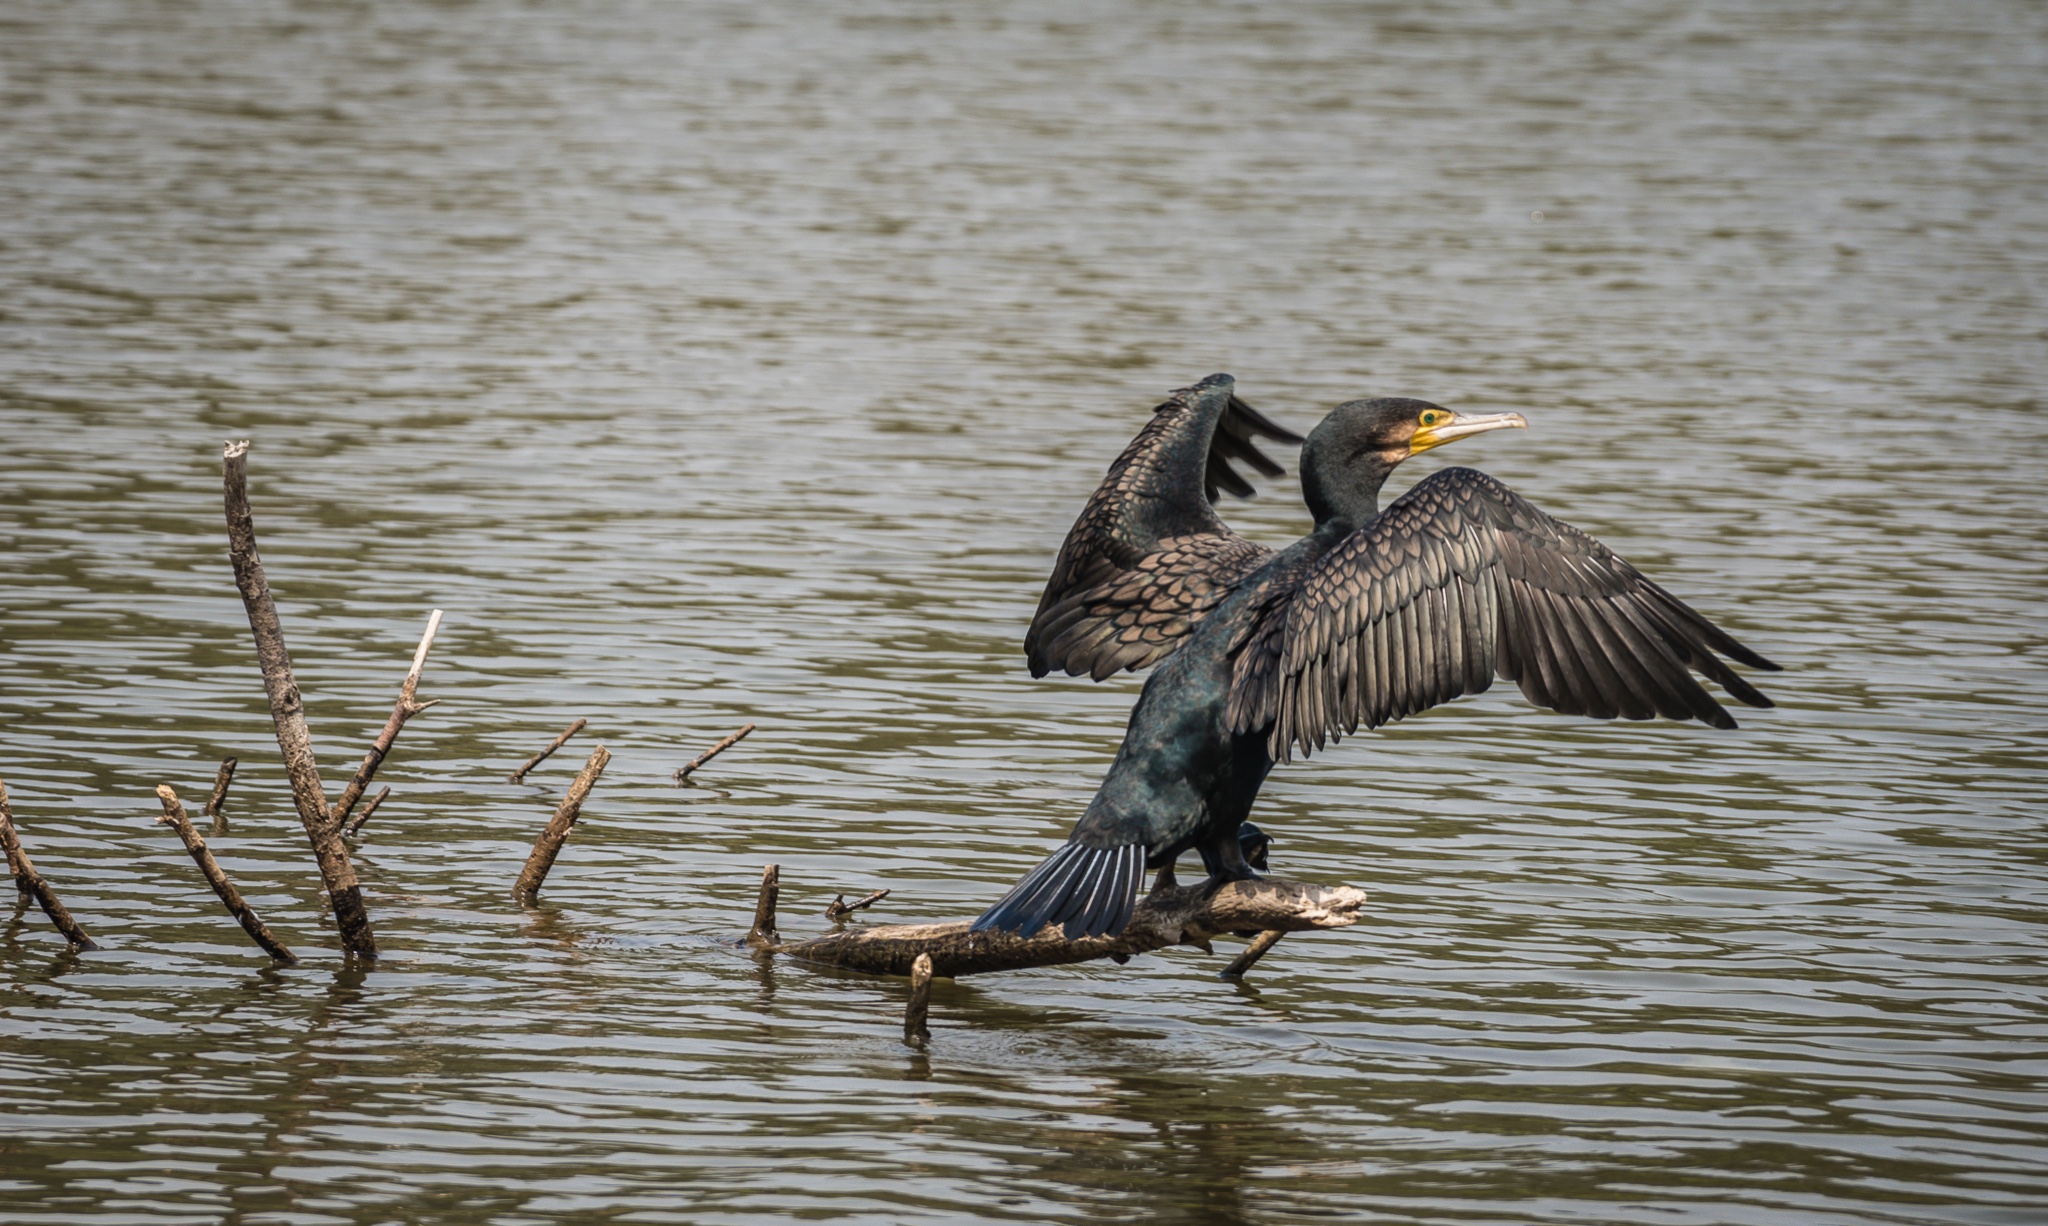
<point>1176,915</point>
<point>31,883</point>
<point>230,897</point>
<point>288,712</point>
<point>519,776</point>
<point>549,844</point>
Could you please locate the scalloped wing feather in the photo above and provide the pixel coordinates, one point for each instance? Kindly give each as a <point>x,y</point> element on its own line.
<point>1458,581</point>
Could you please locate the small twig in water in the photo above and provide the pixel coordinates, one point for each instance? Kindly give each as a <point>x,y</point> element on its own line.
<point>549,844</point>
<point>368,809</point>
<point>519,776</point>
<point>174,814</point>
<point>220,787</point>
<point>1259,947</point>
<point>31,882</point>
<point>841,908</point>
<point>683,775</point>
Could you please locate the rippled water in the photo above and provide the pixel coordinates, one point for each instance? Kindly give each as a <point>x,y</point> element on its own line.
<point>712,363</point>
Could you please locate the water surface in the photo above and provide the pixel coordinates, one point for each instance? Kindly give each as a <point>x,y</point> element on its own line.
<point>712,363</point>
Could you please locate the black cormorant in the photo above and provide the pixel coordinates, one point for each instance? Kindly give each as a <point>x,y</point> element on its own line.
<point>1371,617</point>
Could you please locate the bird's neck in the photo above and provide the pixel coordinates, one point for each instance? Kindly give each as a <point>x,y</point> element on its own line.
<point>1343,497</point>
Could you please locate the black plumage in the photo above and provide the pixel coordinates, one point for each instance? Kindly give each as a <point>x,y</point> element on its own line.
<point>1372,617</point>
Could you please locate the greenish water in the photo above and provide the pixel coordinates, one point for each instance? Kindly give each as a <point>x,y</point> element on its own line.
<point>712,363</point>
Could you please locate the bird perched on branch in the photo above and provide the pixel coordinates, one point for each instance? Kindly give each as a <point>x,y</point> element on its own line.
<point>1373,616</point>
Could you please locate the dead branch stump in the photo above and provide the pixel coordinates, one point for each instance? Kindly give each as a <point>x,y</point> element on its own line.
<point>762,935</point>
<point>221,779</point>
<point>917,1031</point>
<point>549,844</point>
<point>288,712</point>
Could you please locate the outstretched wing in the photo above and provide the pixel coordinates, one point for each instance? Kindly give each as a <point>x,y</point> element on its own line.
<point>1461,579</point>
<point>1149,555</point>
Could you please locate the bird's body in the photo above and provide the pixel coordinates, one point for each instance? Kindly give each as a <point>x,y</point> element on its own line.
<point>1369,618</point>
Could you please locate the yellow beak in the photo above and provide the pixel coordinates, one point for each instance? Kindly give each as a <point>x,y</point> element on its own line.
<point>1460,425</point>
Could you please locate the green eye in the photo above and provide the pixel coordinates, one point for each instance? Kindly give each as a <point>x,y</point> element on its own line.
<point>1430,419</point>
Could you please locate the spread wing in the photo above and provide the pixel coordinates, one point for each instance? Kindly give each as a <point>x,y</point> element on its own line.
<point>1149,555</point>
<point>1459,580</point>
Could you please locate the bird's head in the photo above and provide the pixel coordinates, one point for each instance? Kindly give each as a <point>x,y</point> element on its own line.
<point>1349,456</point>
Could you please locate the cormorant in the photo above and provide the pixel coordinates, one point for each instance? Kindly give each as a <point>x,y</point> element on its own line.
<point>1373,616</point>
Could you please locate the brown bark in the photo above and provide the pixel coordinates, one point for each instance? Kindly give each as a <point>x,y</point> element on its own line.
<point>364,816</point>
<point>519,776</point>
<point>230,897</point>
<point>406,707</point>
<point>288,712</point>
<point>683,775</point>
<point>917,1031</point>
<point>762,935</point>
<point>1260,946</point>
<point>1178,915</point>
<point>31,882</point>
<point>549,844</point>
<point>839,908</point>
<point>221,780</point>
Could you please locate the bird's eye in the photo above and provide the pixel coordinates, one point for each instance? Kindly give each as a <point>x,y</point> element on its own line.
<point>1432,418</point>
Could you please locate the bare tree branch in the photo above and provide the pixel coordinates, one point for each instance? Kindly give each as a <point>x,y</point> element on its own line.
<point>31,882</point>
<point>683,775</point>
<point>364,816</point>
<point>406,707</point>
<point>288,712</point>
<point>840,908</point>
<point>1178,915</point>
<point>230,897</point>
<point>519,776</point>
<point>1259,947</point>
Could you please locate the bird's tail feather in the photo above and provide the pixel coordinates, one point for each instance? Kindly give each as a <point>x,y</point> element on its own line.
<point>1091,890</point>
